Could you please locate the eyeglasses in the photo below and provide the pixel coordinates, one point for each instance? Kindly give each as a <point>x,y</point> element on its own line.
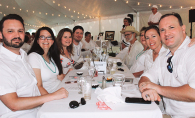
<point>43,38</point>
<point>75,104</point>
<point>170,65</point>
<point>128,34</point>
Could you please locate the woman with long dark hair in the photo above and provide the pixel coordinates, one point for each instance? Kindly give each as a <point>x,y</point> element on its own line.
<point>65,45</point>
<point>44,58</point>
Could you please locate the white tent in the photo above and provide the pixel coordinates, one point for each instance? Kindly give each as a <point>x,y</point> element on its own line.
<point>94,15</point>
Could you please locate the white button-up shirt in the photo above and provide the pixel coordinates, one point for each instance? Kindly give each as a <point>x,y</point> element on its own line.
<point>77,51</point>
<point>183,73</point>
<point>16,76</point>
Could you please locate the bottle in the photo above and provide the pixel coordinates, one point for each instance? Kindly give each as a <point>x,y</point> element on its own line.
<point>103,82</point>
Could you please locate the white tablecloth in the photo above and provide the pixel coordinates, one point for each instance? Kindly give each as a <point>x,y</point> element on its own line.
<point>61,109</point>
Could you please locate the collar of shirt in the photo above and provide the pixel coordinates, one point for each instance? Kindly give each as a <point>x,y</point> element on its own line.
<point>11,55</point>
<point>184,45</point>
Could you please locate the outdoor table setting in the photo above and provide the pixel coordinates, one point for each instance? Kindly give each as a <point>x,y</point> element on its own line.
<point>104,94</point>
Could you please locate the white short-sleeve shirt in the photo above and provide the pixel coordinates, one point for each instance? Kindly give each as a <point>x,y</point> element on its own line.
<point>49,78</point>
<point>183,62</point>
<point>155,17</point>
<point>16,76</point>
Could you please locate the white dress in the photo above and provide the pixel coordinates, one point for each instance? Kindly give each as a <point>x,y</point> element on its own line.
<point>49,78</point>
<point>66,63</point>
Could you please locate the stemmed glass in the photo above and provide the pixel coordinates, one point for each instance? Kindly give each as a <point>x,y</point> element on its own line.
<point>91,72</point>
<point>80,83</point>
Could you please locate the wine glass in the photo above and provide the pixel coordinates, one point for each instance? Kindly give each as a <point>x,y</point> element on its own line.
<point>80,83</point>
<point>91,72</point>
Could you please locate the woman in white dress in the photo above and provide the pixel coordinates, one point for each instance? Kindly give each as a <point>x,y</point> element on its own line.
<point>145,61</point>
<point>65,45</point>
<point>44,58</point>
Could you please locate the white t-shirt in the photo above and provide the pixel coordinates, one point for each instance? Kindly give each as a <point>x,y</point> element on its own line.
<point>26,47</point>
<point>77,51</point>
<point>183,62</point>
<point>129,59</point>
<point>145,61</point>
<point>155,17</point>
<point>89,46</point>
<point>16,76</point>
<point>49,79</point>
<point>66,63</point>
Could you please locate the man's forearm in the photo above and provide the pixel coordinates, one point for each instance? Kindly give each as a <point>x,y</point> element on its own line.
<point>182,93</point>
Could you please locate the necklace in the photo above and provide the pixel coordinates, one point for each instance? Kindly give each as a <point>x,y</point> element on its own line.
<point>68,58</point>
<point>48,66</point>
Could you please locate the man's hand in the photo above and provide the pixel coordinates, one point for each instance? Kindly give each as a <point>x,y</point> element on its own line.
<point>148,85</point>
<point>150,95</point>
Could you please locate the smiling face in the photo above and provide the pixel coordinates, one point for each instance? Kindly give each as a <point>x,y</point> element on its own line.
<point>66,39</point>
<point>172,34</point>
<point>12,34</point>
<point>153,39</point>
<point>142,39</point>
<point>45,44</point>
<point>78,35</point>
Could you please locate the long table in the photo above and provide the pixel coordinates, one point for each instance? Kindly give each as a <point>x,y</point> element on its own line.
<point>61,109</point>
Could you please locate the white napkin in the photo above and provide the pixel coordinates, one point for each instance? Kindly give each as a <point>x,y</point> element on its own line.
<point>110,94</point>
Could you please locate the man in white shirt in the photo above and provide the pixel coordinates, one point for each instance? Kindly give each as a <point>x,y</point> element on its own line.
<point>155,16</point>
<point>88,44</point>
<point>19,94</point>
<point>128,54</point>
<point>77,45</point>
<point>173,73</point>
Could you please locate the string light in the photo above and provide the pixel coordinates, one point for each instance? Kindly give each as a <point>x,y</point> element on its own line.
<point>65,15</point>
<point>59,15</point>
<point>138,3</point>
<point>33,11</point>
<point>191,7</point>
<point>78,12</point>
<point>74,11</point>
<point>45,13</point>
<point>7,6</point>
<point>160,5</point>
<point>39,12</point>
<point>26,10</point>
<point>14,8</point>
<point>4,14</point>
<point>149,5</point>
<point>65,7</point>
<point>52,14</point>
<point>127,2</point>
<point>58,4</point>
<point>181,7</point>
<point>115,0</point>
<point>54,2</point>
<point>69,9</point>
<point>0,5</point>
<point>170,7</point>
<point>20,9</point>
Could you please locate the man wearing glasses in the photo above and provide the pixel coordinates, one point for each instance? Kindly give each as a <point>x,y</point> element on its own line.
<point>155,16</point>
<point>128,54</point>
<point>173,73</point>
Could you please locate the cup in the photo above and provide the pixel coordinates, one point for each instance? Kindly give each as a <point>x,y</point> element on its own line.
<point>118,80</point>
<point>86,90</point>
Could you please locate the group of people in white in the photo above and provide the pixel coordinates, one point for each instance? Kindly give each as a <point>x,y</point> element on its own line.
<point>163,61</point>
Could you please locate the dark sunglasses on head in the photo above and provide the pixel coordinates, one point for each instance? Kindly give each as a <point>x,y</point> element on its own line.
<point>170,65</point>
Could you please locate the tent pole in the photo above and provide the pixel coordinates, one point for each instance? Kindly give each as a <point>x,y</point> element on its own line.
<point>100,25</point>
<point>191,31</point>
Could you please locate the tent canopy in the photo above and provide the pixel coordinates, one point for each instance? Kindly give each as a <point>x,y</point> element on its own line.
<point>37,13</point>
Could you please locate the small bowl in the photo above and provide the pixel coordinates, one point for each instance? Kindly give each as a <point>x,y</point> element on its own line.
<point>79,73</point>
<point>119,63</point>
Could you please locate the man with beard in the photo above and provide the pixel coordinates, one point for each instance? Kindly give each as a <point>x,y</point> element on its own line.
<point>77,37</point>
<point>128,54</point>
<point>19,94</point>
